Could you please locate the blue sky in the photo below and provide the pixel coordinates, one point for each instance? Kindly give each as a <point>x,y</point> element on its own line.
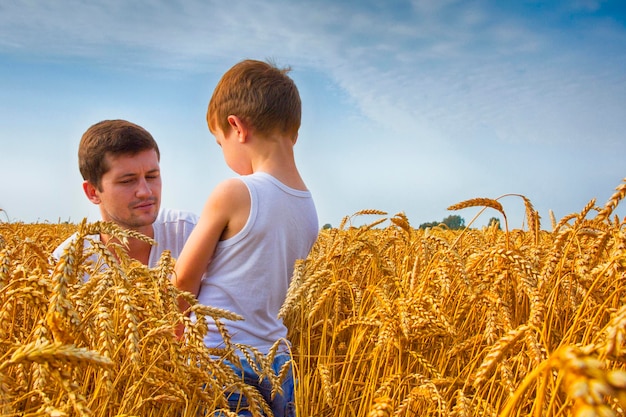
<point>408,106</point>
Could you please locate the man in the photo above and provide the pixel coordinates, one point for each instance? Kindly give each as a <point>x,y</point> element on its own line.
<point>119,162</point>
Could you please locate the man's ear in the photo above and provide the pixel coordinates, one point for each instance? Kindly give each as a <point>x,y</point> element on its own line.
<point>91,192</point>
<point>239,126</point>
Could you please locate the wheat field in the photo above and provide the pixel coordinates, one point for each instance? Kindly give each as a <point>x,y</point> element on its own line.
<point>385,320</point>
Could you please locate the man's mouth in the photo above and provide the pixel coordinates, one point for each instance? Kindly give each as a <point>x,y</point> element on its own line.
<point>145,205</point>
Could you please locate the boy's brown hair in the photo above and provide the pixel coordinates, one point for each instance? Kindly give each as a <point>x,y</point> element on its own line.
<point>261,95</point>
<point>115,137</point>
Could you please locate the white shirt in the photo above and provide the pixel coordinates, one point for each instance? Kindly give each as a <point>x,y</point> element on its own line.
<point>171,230</point>
<point>250,272</point>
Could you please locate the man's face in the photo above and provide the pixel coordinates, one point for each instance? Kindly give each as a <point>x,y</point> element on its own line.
<point>130,192</point>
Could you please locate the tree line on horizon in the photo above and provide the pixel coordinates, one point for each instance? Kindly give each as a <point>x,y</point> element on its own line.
<point>452,222</point>
<point>456,222</point>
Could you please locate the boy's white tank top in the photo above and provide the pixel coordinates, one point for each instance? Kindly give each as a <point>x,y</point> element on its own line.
<point>250,272</point>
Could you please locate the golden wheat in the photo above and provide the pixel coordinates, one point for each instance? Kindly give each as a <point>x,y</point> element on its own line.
<point>384,320</point>
<point>103,347</point>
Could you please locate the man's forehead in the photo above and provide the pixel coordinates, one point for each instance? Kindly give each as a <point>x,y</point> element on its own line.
<point>140,161</point>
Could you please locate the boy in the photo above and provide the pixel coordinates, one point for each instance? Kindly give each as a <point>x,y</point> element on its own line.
<point>253,227</point>
<point>119,162</point>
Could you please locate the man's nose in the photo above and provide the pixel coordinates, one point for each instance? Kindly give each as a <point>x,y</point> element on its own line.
<point>143,188</point>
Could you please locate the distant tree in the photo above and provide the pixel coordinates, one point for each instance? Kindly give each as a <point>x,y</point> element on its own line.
<point>453,222</point>
<point>494,220</point>
<point>428,224</point>
<point>327,226</point>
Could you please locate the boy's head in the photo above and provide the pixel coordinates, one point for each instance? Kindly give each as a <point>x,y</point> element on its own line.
<point>114,138</point>
<point>261,95</point>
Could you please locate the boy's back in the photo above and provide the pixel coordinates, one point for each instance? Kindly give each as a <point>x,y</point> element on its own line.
<point>251,271</point>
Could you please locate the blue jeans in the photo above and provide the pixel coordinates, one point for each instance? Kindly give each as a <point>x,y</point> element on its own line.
<point>282,405</point>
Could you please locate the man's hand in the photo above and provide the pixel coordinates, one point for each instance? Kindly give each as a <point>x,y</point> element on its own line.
<point>179,331</point>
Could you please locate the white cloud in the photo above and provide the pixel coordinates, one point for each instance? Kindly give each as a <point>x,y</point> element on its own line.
<point>586,5</point>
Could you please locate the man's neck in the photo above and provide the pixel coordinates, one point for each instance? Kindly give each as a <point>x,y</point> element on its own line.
<point>136,249</point>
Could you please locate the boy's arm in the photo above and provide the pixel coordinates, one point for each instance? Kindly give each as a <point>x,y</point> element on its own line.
<point>224,214</point>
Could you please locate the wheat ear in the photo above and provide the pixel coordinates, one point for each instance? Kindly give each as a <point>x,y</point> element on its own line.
<point>620,193</point>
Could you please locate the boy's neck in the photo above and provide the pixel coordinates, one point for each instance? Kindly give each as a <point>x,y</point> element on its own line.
<point>275,157</point>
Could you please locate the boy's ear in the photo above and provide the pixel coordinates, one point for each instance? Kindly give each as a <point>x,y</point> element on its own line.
<point>239,126</point>
<point>91,192</point>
